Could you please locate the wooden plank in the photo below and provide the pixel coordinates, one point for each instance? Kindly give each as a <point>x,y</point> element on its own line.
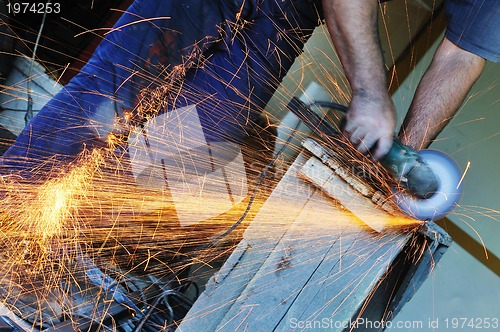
<point>214,302</point>
<point>339,287</point>
<point>282,207</point>
<point>288,268</point>
<point>312,261</point>
<point>363,208</point>
<point>260,240</point>
<point>304,258</point>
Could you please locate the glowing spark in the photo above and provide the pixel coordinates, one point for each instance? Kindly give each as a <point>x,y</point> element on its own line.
<point>479,236</point>
<point>61,75</point>
<point>463,175</point>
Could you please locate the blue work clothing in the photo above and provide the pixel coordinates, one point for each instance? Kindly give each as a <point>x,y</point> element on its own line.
<point>474,25</point>
<point>227,57</point>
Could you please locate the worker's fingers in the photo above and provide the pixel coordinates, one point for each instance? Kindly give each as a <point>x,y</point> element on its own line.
<point>383,146</point>
<point>368,142</point>
<point>370,124</point>
<point>365,141</point>
<point>349,127</point>
<point>357,136</point>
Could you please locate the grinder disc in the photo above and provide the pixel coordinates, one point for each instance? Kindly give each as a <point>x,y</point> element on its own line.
<point>447,195</point>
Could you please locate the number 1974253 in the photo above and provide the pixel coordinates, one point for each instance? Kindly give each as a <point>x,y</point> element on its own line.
<point>33,8</point>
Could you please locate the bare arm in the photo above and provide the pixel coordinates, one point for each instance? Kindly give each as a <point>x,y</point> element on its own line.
<point>371,118</point>
<point>440,93</point>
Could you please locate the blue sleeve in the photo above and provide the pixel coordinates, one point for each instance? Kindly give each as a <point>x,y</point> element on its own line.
<point>474,25</point>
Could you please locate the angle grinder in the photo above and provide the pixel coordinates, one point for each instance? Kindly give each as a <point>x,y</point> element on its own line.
<point>430,178</point>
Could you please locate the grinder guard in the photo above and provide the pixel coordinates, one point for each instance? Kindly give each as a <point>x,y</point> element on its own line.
<point>446,195</point>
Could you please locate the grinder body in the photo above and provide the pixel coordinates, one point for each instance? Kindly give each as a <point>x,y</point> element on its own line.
<point>410,170</point>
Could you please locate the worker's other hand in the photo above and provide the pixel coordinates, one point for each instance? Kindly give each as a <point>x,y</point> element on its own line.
<point>370,123</point>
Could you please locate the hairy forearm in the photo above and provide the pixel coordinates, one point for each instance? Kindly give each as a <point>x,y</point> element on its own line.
<point>440,93</point>
<point>353,28</point>
<point>370,122</point>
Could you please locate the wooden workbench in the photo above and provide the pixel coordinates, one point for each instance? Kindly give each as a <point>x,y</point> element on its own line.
<point>306,262</point>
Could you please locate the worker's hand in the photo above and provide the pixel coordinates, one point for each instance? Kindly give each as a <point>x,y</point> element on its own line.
<point>370,123</point>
